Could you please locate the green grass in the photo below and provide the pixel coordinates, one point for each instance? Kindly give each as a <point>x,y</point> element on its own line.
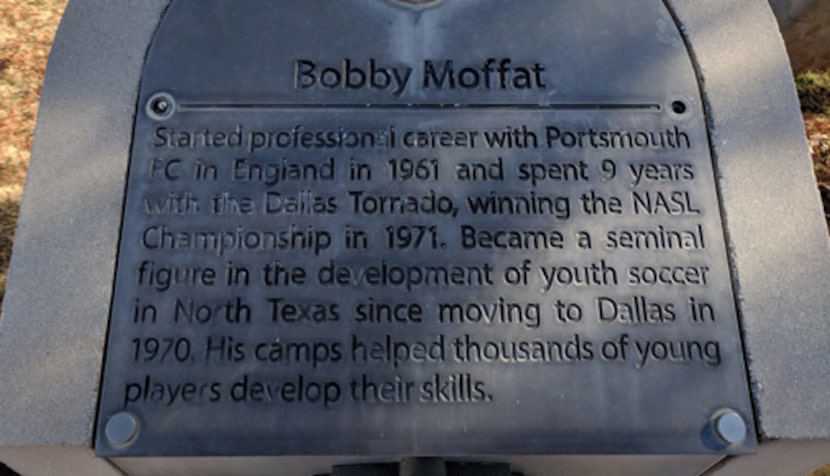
<point>814,91</point>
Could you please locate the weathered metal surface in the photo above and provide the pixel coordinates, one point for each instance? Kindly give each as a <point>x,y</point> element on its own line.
<point>471,227</point>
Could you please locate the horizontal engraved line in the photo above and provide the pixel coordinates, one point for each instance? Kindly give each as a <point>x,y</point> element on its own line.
<point>195,106</point>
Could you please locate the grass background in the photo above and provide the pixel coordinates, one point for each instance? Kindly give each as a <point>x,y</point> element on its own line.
<point>814,94</point>
<point>27,28</point>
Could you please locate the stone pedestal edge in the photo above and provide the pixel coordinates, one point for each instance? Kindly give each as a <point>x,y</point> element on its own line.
<point>775,227</point>
<point>54,323</point>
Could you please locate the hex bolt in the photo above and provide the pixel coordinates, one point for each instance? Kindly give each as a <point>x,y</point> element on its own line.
<point>730,427</point>
<point>121,429</point>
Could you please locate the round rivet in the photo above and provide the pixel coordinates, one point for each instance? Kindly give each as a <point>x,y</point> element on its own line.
<point>730,427</point>
<point>679,107</point>
<point>161,106</point>
<point>121,429</point>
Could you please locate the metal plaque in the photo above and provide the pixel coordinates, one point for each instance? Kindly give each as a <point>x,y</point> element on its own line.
<point>459,227</point>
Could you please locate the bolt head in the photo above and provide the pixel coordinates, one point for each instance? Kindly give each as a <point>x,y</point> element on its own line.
<point>161,106</point>
<point>731,427</point>
<point>121,429</point>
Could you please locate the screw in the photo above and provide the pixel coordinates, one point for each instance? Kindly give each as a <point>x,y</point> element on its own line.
<point>121,429</point>
<point>160,106</point>
<point>730,427</point>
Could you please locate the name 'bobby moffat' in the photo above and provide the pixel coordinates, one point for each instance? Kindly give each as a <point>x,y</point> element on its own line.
<point>492,73</point>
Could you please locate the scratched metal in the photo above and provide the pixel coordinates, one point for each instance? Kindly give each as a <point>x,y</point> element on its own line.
<point>567,82</point>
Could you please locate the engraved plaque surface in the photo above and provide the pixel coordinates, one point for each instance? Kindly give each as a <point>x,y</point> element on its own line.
<point>474,227</point>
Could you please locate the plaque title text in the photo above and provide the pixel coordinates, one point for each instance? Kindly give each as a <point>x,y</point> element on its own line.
<point>350,75</point>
